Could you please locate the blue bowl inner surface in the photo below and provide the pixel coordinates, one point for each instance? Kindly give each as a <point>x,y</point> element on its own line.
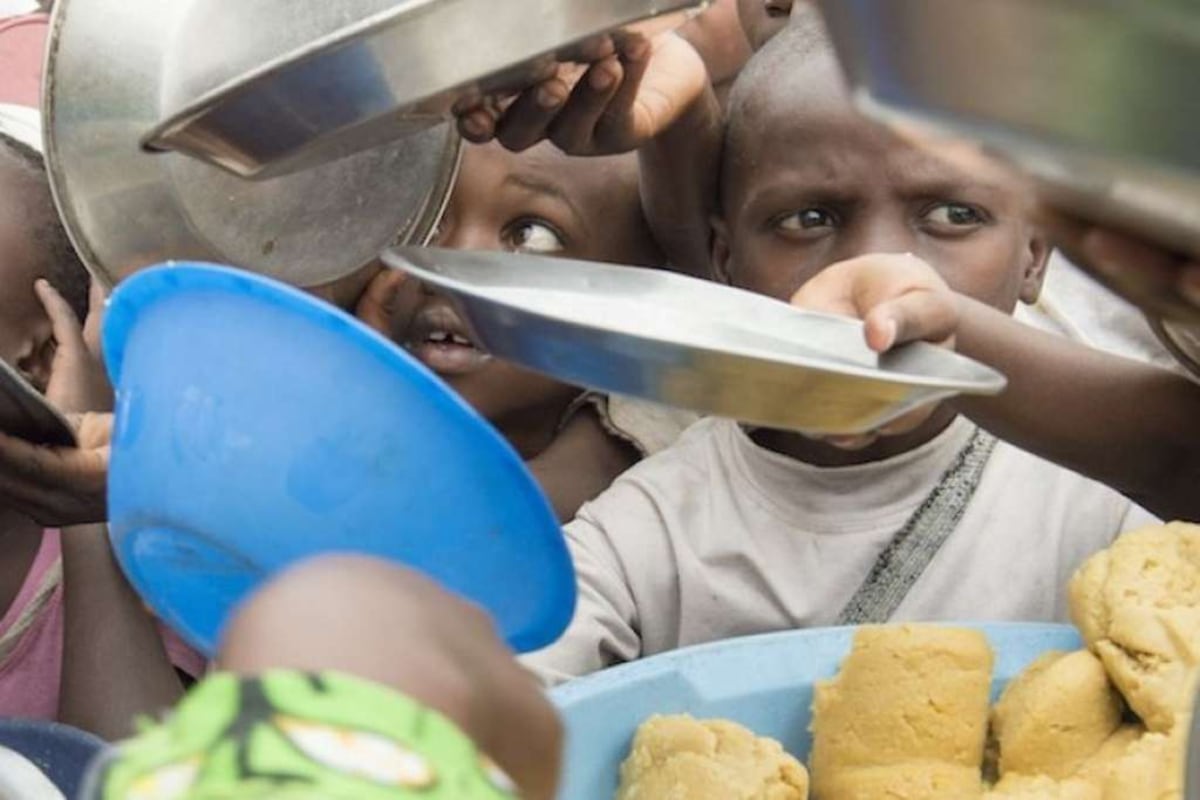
<point>257,427</point>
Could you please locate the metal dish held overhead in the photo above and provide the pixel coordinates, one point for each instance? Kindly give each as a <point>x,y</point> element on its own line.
<point>1095,98</point>
<point>106,81</point>
<point>690,343</point>
<point>259,109</point>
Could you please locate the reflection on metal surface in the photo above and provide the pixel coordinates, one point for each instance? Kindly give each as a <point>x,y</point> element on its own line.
<point>126,209</point>
<point>367,72</point>
<point>1098,100</point>
<point>690,343</point>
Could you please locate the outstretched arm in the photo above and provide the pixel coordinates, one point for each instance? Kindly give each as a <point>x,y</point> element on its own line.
<point>1130,425</point>
<point>1133,426</point>
<point>115,666</point>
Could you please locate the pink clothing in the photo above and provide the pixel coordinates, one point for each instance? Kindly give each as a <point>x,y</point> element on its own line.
<point>31,640</point>
<point>22,48</point>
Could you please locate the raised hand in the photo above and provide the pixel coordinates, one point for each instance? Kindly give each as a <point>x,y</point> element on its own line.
<point>636,87</point>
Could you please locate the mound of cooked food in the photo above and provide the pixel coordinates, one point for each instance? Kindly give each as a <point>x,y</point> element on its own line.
<point>681,758</point>
<point>1137,605</point>
<point>907,717</point>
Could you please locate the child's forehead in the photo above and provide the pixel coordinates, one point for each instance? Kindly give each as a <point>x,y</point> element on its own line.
<point>804,127</point>
<point>546,170</point>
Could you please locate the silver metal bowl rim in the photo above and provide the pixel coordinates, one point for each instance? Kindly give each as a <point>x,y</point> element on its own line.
<point>422,228</point>
<point>159,136</point>
<point>396,259</point>
<point>50,151</point>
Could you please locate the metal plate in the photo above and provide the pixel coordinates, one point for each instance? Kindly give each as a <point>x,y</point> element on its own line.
<point>690,343</point>
<point>259,108</point>
<point>25,414</point>
<point>1098,101</point>
<point>126,209</point>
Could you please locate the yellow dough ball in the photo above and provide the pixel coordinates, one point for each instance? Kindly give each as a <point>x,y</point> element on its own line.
<point>1137,605</point>
<point>911,698</point>
<point>1097,768</point>
<point>1041,787</point>
<point>1152,768</point>
<point>681,758</point>
<point>912,780</point>
<point>1055,715</point>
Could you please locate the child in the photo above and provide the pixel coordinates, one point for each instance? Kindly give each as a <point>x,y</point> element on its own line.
<point>737,531</point>
<point>540,202</point>
<point>330,709</point>
<point>50,666</point>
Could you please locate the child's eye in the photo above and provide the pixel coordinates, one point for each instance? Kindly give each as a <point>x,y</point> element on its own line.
<point>807,221</point>
<point>532,236</point>
<point>955,216</point>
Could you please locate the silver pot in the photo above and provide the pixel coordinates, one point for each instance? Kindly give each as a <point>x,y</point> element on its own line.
<point>357,73</point>
<point>109,63</point>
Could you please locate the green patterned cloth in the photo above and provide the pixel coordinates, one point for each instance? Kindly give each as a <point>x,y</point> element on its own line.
<point>293,736</point>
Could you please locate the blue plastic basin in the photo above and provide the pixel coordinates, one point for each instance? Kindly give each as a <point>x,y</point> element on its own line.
<point>257,426</point>
<point>764,682</point>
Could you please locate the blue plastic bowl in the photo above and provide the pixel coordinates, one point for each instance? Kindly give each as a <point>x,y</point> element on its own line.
<point>764,682</point>
<point>257,426</point>
<point>62,753</point>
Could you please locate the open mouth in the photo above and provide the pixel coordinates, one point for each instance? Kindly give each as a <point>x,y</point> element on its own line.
<point>440,340</point>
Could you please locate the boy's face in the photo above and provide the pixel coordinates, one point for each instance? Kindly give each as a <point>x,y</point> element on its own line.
<point>24,326</point>
<point>809,183</point>
<point>541,203</point>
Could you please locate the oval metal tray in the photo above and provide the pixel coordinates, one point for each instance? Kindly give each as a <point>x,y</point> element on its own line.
<point>126,208</point>
<point>1095,98</point>
<point>689,343</point>
<point>389,68</point>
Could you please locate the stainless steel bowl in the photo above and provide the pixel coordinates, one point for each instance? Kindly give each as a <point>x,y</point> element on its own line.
<point>105,84</point>
<point>690,343</point>
<point>1095,98</point>
<point>362,73</point>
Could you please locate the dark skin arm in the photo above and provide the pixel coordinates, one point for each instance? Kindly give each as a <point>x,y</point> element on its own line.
<point>1132,426</point>
<point>582,462</point>
<point>114,664</point>
<point>680,170</point>
<point>115,667</point>
<point>654,95</point>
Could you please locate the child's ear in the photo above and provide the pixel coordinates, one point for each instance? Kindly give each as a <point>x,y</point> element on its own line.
<point>1037,258</point>
<point>720,266</point>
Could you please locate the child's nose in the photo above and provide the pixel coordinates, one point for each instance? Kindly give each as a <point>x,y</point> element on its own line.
<point>879,236</point>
